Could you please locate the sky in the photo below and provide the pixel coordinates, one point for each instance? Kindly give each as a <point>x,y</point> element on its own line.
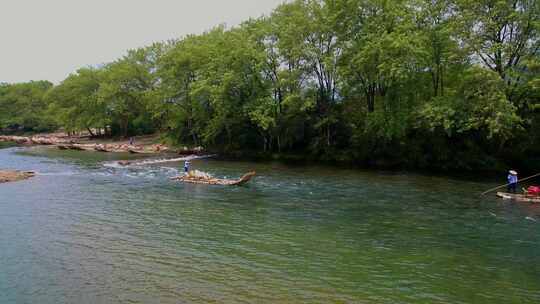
<point>49,39</point>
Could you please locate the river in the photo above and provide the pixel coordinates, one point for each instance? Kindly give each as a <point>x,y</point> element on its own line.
<point>86,231</point>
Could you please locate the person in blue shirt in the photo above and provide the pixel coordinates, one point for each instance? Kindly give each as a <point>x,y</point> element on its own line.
<point>186,166</point>
<point>512,181</point>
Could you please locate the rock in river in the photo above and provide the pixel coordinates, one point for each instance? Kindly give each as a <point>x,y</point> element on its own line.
<point>13,176</point>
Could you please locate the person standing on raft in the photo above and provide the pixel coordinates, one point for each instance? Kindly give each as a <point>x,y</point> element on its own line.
<point>512,181</point>
<point>186,166</point>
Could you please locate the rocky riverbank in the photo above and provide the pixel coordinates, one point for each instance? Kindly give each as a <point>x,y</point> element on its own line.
<point>37,140</point>
<point>13,176</point>
<point>144,144</point>
<point>115,148</point>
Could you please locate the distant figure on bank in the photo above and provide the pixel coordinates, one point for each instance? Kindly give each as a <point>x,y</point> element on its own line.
<point>186,166</point>
<point>131,141</point>
<point>512,181</point>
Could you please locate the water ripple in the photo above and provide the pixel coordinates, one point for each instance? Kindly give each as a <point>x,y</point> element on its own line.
<point>82,232</point>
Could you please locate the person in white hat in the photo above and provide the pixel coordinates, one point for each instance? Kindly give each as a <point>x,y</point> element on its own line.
<point>187,164</point>
<point>512,181</point>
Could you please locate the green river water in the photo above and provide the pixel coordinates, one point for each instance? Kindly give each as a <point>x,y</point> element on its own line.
<point>88,231</point>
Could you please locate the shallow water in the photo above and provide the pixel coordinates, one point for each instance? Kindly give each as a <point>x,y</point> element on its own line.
<point>84,231</point>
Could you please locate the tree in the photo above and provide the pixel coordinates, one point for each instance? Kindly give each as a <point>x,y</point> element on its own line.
<point>503,36</point>
<point>75,102</point>
<point>126,85</point>
<point>479,106</point>
<point>24,106</point>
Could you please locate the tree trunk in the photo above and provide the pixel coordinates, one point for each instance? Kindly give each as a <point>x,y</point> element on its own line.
<point>125,124</point>
<point>328,135</point>
<point>371,101</point>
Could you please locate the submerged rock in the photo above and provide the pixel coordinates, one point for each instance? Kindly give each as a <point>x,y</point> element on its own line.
<point>13,176</point>
<point>124,162</point>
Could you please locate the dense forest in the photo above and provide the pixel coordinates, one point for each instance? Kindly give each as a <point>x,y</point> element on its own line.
<point>434,84</point>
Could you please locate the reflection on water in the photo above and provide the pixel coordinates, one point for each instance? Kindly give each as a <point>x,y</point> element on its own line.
<point>88,233</point>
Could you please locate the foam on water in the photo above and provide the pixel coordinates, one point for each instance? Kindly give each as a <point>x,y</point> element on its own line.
<point>69,173</point>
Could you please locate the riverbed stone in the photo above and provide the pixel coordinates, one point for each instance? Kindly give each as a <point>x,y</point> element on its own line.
<point>7,176</point>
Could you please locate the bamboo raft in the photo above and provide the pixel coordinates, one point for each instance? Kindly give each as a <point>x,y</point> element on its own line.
<point>526,198</point>
<point>191,179</point>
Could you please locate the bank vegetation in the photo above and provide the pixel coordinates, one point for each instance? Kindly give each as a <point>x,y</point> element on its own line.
<point>434,84</point>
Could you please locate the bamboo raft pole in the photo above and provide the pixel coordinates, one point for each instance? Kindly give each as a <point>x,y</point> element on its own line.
<point>506,185</point>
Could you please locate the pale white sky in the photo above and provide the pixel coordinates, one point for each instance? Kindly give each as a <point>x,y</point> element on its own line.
<point>49,39</point>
